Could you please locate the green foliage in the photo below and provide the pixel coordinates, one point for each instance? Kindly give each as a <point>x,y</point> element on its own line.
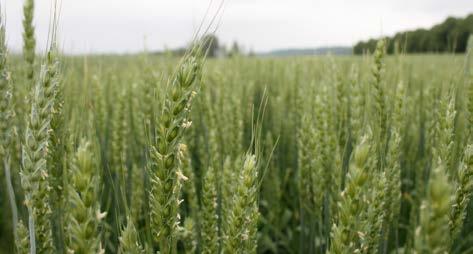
<point>317,194</point>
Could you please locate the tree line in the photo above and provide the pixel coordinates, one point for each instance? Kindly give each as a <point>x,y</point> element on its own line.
<point>212,46</point>
<point>450,36</point>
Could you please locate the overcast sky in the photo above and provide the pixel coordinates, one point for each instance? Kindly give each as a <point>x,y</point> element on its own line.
<point>120,26</point>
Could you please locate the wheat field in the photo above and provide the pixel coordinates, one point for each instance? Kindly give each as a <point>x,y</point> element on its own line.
<point>146,154</point>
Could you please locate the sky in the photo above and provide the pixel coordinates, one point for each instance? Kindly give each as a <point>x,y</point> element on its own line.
<point>127,26</point>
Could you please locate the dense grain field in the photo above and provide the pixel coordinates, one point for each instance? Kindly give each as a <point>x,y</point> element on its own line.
<point>138,154</point>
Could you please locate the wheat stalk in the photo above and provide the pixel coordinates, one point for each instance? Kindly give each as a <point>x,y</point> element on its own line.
<point>165,169</point>
<point>84,214</point>
<point>29,40</point>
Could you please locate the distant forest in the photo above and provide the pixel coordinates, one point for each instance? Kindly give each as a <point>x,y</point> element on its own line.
<point>449,36</point>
